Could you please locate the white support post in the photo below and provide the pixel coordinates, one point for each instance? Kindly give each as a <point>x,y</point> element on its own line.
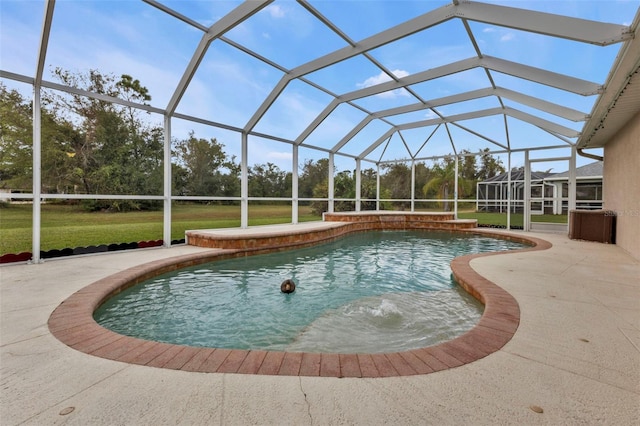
<point>571,205</point>
<point>358,185</point>
<point>330,188</point>
<point>455,191</point>
<point>37,176</point>
<point>527,192</point>
<point>413,185</point>
<point>244,183</point>
<point>294,185</point>
<point>166,213</point>
<point>377,187</point>
<point>477,194</point>
<point>37,133</point>
<point>509,191</point>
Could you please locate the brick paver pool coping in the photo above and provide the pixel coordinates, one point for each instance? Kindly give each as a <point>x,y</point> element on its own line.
<point>73,324</point>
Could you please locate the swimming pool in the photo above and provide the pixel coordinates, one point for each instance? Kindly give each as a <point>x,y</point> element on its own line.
<point>370,292</point>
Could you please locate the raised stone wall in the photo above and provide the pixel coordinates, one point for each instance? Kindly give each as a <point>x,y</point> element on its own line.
<point>335,225</point>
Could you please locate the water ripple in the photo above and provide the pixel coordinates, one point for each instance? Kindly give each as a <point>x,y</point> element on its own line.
<point>369,292</point>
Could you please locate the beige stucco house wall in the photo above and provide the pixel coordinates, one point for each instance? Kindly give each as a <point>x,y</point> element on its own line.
<point>621,187</point>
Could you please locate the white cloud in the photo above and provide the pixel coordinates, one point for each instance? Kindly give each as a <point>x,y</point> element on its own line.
<point>429,114</point>
<point>503,33</point>
<point>400,73</point>
<point>376,79</point>
<point>393,94</point>
<point>507,37</point>
<point>275,11</point>
<point>383,78</point>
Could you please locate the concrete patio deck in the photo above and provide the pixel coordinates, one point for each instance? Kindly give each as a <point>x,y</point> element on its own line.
<point>575,356</point>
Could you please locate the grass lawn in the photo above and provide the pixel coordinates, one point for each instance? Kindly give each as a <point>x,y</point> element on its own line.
<point>517,219</point>
<point>66,226</point>
<point>492,218</point>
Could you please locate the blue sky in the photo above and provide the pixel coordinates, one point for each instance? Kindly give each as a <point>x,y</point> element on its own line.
<point>132,37</point>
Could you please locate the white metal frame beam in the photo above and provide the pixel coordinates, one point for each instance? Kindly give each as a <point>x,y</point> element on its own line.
<point>576,29</point>
<point>167,183</point>
<point>241,13</point>
<point>526,72</point>
<point>37,132</point>
<point>548,78</point>
<point>549,126</point>
<point>542,76</point>
<point>380,39</point>
<point>540,104</point>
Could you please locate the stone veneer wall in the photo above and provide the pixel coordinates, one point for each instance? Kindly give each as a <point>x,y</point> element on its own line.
<point>389,216</point>
<point>622,185</point>
<point>345,224</point>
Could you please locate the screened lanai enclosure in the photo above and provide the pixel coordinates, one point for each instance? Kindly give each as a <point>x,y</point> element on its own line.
<point>548,191</point>
<point>343,105</point>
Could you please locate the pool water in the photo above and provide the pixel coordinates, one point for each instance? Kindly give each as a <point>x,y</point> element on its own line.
<point>369,292</point>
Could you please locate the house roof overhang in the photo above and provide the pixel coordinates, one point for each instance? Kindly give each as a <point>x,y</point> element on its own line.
<point>620,102</point>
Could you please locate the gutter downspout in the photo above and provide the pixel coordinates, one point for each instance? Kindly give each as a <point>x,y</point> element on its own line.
<point>592,156</point>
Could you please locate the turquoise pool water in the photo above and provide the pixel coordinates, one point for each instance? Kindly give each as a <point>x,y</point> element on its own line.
<point>370,292</point>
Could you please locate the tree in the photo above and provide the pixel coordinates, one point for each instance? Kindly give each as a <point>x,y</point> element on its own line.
<point>423,175</point>
<point>316,174</point>
<point>267,180</point>
<point>312,174</point>
<point>320,191</point>
<point>368,186</point>
<point>230,181</point>
<point>58,171</point>
<point>313,182</point>
<point>16,146</point>
<point>201,160</point>
<point>443,182</point>
<point>15,140</point>
<point>397,181</point>
<point>467,166</point>
<point>344,187</point>
<point>490,166</point>
<point>113,150</point>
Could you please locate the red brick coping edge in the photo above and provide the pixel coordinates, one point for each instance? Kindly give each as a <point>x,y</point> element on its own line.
<point>72,323</point>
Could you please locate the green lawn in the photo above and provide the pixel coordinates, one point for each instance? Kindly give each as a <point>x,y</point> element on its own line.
<point>492,218</point>
<point>516,219</point>
<point>66,226</point>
